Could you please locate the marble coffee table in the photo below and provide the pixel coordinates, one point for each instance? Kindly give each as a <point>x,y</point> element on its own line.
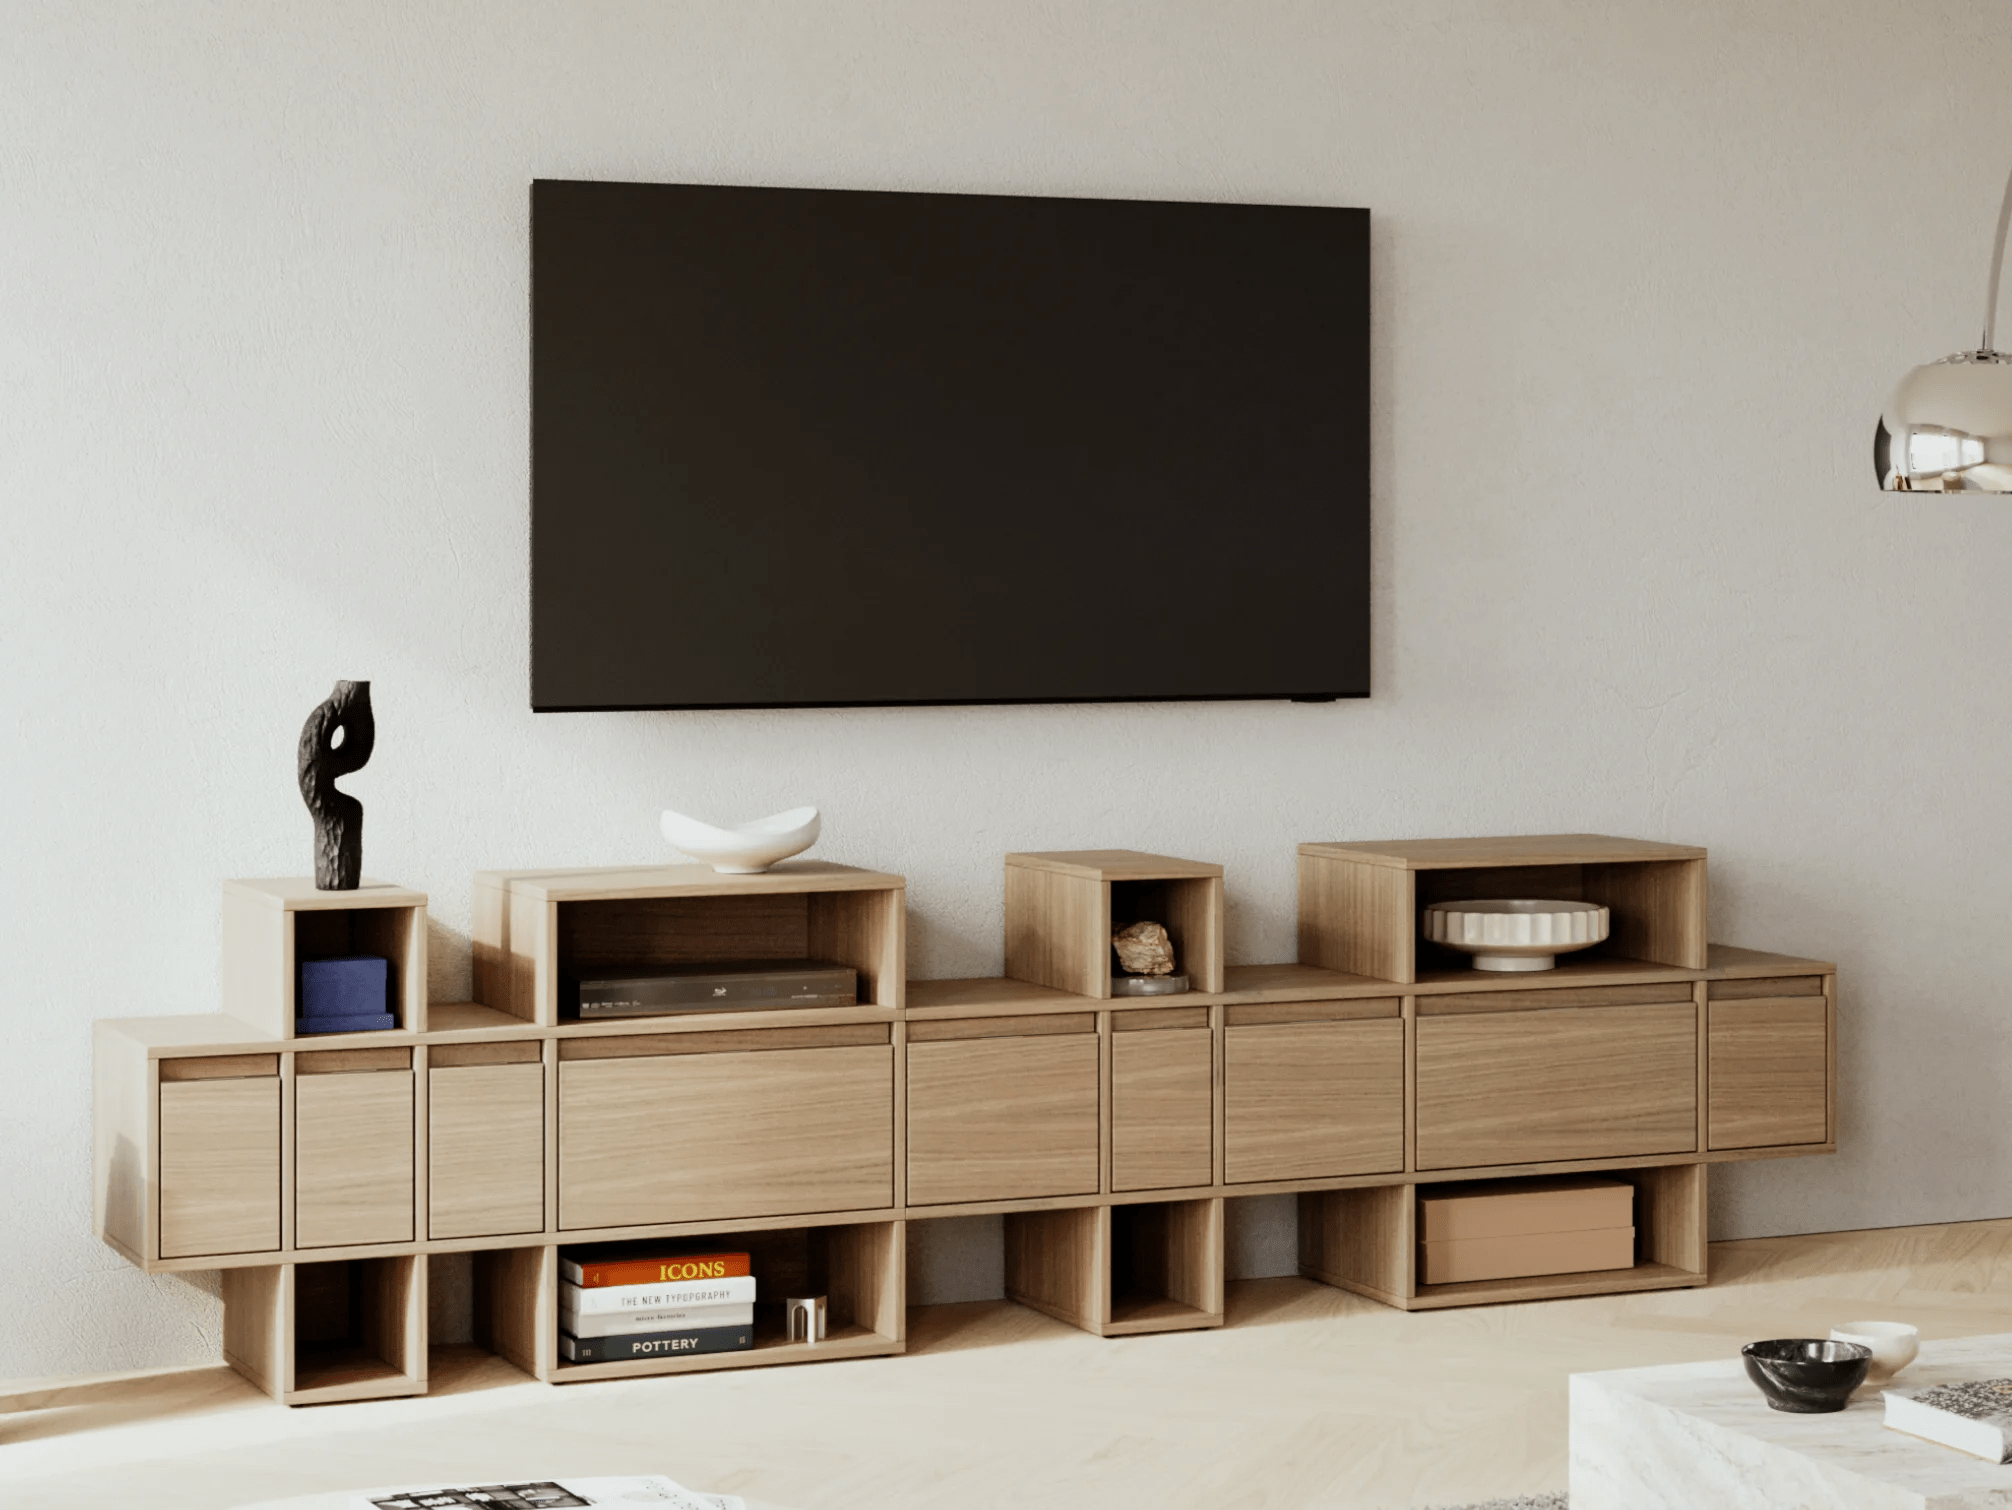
<point>1693,1435</point>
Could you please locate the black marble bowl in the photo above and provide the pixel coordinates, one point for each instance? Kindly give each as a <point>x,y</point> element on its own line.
<point>1803,1375</point>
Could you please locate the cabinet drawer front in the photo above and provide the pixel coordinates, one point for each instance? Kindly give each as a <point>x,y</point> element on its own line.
<point>1570,1083</point>
<point>705,1137</point>
<point>485,1150</point>
<point>352,1159</point>
<point>1768,1073</point>
<point>1001,1119</point>
<point>1162,1108</point>
<point>219,1167</point>
<point>1310,1100</point>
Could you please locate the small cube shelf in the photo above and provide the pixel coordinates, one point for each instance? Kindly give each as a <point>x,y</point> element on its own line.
<point>1361,905</point>
<point>272,926</point>
<point>534,929</point>
<point>1120,1271</point>
<point>1062,908</point>
<point>316,1333</point>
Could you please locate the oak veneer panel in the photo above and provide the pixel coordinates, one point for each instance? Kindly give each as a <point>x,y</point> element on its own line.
<point>861,1268</point>
<point>1059,1263</point>
<point>1671,1225</point>
<point>1573,1083</point>
<point>1029,1025</point>
<point>485,1150</point>
<point>1765,985</point>
<point>220,1067</point>
<point>258,1325</point>
<point>353,1166</point>
<point>707,1137</point>
<point>1151,1019</point>
<point>1361,1240</point>
<point>1056,930</point>
<point>1166,1267</point>
<point>516,1306</point>
<point>1254,1013</point>
<point>998,1119</point>
<point>867,930</point>
<point>724,1041</point>
<point>1357,918</point>
<point>219,1167</point>
<point>683,930</point>
<point>1313,1100</point>
<point>1768,1078</point>
<point>1162,1108</point>
<point>1657,910</point>
<point>1494,853</point>
<point>454,1055</point>
<point>1556,996</point>
<point>351,1061</point>
<point>125,1124</point>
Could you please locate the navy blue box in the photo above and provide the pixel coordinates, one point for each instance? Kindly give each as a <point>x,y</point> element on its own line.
<point>362,1022</point>
<point>357,985</point>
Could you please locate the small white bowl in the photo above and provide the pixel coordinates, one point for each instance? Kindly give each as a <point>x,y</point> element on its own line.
<point>745,848</point>
<point>1893,1344</point>
<point>1516,933</point>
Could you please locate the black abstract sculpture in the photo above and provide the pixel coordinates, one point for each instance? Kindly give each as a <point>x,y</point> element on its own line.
<point>335,741</point>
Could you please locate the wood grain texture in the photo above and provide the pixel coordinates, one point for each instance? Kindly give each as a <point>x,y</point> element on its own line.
<point>1152,1019</point>
<point>606,883</point>
<point>124,1122</point>
<point>1768,1072</point>
<point>1251,983</point>
<point>1574,1083</point>
<point>489,943</point>
<point>867,930</point>
<point>351,1061</point>
<point>1193,917</point>
<point>1307,1100</point>
<point>1515,849</point>
<point>219,1167</point>
<point>861,1268</point>
<point>1357,918</point>
<point>396,934</point>
<point>984,994</point>
<point>725,1041</point>
<point>1058,928</point>
<point>485,1150</point>
<point>1671,1219</point>
<point>359,1330</point>
<point>258,1325</point>
<point>1002,1119</point>
<point>220,1067</point>
<point>1730,962</point>
<point>1361,1240</point>
<point>1026,1025</point>
<point>1114,865</point>
<point>516,1306</point>
<point>1657,910</point>
<point>511,1051</point>
<point>682,930</point>
<point>701,1137</point>
<point>1166,1267</point>
<point>1059,1263</point>
<point>1162,1109</point>
<point>257,979</point>
<point>353,1159</point>
<point>533,961</point>
<point>1430,1005</point>
<point>1257,1014</point>
<point>1764,985</point>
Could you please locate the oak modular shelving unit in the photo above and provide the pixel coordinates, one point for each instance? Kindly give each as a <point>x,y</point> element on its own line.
<point>319,1173</point>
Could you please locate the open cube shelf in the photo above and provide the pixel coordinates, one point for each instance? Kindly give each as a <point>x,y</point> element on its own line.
<point>315,1333</point>
<point>1118,1271</point>
<point>1062,908</point>
<point>272,927</point>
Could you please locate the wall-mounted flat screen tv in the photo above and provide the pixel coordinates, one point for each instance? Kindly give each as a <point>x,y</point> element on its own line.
<point>817,447</point>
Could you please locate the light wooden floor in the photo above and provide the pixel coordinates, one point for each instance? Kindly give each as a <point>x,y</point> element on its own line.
<point>1310,1397</point>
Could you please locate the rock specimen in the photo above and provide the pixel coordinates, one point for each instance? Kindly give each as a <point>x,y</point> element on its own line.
<point>1144,949</point>
<point>337,740</point>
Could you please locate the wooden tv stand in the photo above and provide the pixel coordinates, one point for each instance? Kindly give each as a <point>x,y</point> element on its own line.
<point>318,1173</point>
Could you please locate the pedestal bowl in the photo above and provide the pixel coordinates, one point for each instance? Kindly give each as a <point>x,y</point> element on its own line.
<point>1516,933</point>
<point>1805,1376</point>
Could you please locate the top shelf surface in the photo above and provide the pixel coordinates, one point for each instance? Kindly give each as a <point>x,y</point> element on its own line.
<point>1515,849</point>
<point>617,882</point>
<point>300,894</point>
<point>1116,865</point>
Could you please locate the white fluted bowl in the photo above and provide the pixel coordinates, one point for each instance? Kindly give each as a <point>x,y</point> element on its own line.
<point>1516,933</point>
<point>745,848</point>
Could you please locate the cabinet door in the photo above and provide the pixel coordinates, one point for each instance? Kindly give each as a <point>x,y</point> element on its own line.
<point>1002,1119</point>
<point>1528,1087</point>
<point>352,1158</point>
<point>1768,1072</point>
<point>1162,1108</point>
<point>695,1137</point>
<point>1310,1100</point>
<point>485,1150</point>
<point>219,1166</point>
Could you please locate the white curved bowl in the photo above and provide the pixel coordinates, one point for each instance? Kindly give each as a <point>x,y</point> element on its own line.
<point>1893,1343</point>
<point>1516,933</point>
<point>745,848</point>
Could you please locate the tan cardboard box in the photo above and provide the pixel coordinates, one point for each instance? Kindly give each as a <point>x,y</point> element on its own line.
<point>1456,1260</point>
<point>1523,1208</point>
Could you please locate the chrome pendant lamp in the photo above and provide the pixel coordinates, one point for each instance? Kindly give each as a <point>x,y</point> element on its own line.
<point>1948,426</point>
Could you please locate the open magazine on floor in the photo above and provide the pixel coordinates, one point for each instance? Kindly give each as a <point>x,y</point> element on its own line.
<point>547,1494</point>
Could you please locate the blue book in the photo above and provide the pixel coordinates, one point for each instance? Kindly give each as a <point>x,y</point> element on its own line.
<point>349,987</point>
<point>359,1022</point>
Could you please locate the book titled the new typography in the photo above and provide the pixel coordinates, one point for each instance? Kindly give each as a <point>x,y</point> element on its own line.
<point>1973,1417</point>
<point>548,1494</point>
<point>686,1343</point>
<point>611,1300</point>
<point>595,1270</point>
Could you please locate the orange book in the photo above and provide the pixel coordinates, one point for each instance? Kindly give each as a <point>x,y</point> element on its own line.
<point>592,1273</point>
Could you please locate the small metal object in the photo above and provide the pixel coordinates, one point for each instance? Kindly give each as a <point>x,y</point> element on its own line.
<point>804,1319</point>
<point>1149,985</point>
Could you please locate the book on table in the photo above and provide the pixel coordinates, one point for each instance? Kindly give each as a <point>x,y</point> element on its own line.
<point>1974,1416</point>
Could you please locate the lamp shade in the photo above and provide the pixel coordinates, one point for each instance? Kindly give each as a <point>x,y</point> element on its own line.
<point>1948,428</point>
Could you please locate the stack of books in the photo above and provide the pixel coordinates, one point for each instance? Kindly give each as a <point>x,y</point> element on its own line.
<point>616,1307</point>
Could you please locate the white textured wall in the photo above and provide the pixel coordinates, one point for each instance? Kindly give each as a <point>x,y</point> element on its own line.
<point>1644,273</point>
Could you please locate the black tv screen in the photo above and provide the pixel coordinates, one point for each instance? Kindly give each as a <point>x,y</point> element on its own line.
<point>815,447</point>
